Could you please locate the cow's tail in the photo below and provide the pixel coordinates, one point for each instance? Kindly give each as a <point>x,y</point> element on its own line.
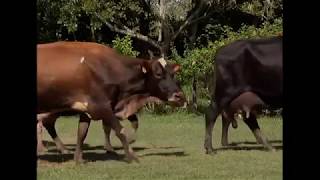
<point>212,84</point>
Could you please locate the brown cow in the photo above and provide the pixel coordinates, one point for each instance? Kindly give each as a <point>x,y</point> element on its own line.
<point>92,79</point>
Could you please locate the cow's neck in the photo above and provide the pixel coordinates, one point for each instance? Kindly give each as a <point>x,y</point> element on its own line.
<point>136,84</point>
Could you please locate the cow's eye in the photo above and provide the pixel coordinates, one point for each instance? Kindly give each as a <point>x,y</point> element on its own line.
<point>158,75</point>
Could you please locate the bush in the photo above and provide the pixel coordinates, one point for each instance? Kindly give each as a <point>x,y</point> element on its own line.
<point>124,46</point>
<point>199,61</point>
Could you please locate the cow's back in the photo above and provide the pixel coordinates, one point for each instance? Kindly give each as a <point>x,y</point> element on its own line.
<point>249,65</point>
<point>64,71</point>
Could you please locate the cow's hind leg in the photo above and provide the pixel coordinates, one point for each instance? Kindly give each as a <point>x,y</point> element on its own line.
<point>210,117</point>
<point>120,133</point>
<point>102,110</point>
<point>254,127</point>
<point>40,147</point>
<point>135,125</point>
<point>107,133</point>
<point>83,127</point>
<point>49,124</point>
<point>225,127</point>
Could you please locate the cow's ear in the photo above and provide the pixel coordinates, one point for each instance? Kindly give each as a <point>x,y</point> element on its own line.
<point>176,68</point>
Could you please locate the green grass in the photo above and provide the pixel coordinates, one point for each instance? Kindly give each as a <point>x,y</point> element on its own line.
<point>169,147</point>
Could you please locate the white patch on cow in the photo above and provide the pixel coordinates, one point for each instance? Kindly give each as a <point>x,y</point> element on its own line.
<point>162,62</point>
<point>82,59</point>
<point>247,114</point>
<point>247,111</point>
<point>144,70</point>
<point>88,115</point>
<point>80,106</point>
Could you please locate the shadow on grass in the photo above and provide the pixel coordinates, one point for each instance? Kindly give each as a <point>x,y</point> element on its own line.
<point>54,156</point>
<point>253,142</point>
<point>87,156</point>
<point>71,147</point>
<point>251,145</point>
<point>177,153</point>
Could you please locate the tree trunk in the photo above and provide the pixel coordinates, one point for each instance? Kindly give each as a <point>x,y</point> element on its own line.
<point>161,15</point>
<point>74,36</point>
<point>161,21</point>
<point>92,34</point>
<point>194,94</point>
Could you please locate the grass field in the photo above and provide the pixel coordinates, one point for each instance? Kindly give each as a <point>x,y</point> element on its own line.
<point>169,147</point>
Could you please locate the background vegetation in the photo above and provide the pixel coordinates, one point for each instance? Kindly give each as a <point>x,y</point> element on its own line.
<point>185,31</point>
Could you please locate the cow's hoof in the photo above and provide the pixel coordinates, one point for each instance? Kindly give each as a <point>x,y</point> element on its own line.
<point>39,153</point>
<point>41,150</point>
<point>132,157</point>
<point>65,151</point>
<point>81,161</point>
<point>225,144</point>
<point>211,152</point>
<point>271,150</point>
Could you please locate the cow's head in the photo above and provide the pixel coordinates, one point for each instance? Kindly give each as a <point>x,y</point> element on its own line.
<point>161,81</point>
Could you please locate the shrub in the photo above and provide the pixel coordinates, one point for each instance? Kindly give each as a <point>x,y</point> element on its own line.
<point>124,46</point>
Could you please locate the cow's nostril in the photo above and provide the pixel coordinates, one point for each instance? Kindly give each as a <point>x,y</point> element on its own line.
<point>178,95</point>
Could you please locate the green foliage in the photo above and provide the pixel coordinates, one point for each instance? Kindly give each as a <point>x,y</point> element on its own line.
<point>199,61</point>
<point>70,11</point>
<point>124,46</point>
<point>266,9</point>
<point>250,32</point>
<point>196,62</point>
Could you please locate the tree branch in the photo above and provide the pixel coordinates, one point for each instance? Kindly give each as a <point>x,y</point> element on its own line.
<point>190,20</point>
<point>128,31</point>
<point>200,18</point>
<point>146,5</point>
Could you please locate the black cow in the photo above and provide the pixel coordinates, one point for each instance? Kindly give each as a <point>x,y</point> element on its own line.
<point>248,73</point>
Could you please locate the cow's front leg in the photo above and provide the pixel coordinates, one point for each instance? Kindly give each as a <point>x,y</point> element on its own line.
<point>83,127</point>
<point>107,133</point>
<point>252,123</point>
<point>210,117</point>
<point>120,133</point>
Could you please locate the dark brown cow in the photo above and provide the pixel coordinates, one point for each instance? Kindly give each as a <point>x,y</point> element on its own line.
<point>92,79</point>
<point>248,73</point>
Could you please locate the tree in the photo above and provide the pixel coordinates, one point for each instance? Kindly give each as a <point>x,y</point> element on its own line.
<point>157,23</point>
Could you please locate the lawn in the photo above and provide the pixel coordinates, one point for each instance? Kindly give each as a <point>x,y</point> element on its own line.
<point>169,147</point>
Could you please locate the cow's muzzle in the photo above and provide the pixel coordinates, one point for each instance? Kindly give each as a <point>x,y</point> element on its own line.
<point>177,99</point>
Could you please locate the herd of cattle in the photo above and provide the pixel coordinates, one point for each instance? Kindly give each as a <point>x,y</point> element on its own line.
<point>96,83</point>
